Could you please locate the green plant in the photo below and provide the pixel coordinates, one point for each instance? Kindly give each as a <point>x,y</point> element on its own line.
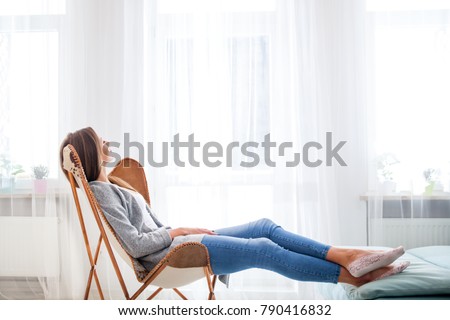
<point>40,172</point>
<point>384,166</point>
<point>431,175</point>
<point>7,168</point>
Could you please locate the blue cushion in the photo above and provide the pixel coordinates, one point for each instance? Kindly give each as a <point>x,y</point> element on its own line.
<point>428,275</point>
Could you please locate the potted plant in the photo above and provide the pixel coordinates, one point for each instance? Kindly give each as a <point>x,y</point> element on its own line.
<point>432,177</point>
<point>385,162</point>
<point>40,173</point>
<point>8,172</point>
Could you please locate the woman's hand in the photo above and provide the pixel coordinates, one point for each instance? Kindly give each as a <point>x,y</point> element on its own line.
<point>185,231</point>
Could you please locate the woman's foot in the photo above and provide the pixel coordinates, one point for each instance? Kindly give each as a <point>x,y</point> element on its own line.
<point>396,268</point>
<point>365,262</point>
<point>378,274</point>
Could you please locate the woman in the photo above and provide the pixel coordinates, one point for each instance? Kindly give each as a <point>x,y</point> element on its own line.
<point>260,244</point>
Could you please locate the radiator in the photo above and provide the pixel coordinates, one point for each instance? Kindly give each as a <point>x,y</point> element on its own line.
<point>411,233</point>
<point>29,247</point>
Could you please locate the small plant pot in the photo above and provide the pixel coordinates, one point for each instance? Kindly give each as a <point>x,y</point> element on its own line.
<point>389,187</point>
<point>438,187</point>
<point>429,188</point>
<point>40,186</point>
<point>7,184</point>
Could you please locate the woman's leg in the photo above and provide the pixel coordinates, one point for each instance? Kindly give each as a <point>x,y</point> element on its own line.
<point>365,260</point>
<point>233,254</point>
<point>265,228</point>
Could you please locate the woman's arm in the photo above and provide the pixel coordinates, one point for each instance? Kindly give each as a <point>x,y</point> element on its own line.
<point>135,242</point>
<point>185,231</point>
<point>179,231</point>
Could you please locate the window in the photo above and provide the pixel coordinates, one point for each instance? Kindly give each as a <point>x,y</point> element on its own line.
<point>411,65</point>
<point>215,83</point>
<point>29,84</point>
<point>213,62</point>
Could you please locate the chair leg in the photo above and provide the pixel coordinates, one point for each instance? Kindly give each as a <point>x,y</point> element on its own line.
<point>146,284</point>
<point>180,294</point>
<point>97,282</point>
<point>88,285</point>
<point>154,293</point>
<point>174,289</point>
<point>93,273</point>
<point>211,295</point>
<point>92,261</point>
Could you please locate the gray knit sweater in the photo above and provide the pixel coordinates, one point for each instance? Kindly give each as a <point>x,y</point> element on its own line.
<point>125,216</point>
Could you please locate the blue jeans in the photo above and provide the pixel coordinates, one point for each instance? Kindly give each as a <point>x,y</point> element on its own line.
<point>263,244</point>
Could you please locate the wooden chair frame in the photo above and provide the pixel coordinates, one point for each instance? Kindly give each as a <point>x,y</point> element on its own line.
<point>187,257</point>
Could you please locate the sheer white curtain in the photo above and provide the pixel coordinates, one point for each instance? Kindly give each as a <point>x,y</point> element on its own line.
<point>230,72</point>
<point>29,93</point>
<point>409,75</point>
<point>64,65</point>
<point>235,72</point>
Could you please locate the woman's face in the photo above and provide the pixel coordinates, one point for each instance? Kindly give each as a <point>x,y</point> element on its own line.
<point>105,151</point>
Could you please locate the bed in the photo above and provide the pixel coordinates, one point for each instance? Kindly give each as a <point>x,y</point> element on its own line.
<point>428,277</point>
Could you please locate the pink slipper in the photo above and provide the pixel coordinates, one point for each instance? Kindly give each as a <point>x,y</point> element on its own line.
<point>374,261</point>
<point>398,267</point>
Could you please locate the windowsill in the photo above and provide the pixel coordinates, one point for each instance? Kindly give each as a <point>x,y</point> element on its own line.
<point>406,196</point>
<point>28,194</point>
<point>403,205</point>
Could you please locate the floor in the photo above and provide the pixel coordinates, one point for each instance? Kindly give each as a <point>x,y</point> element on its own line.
<point>20,289</point>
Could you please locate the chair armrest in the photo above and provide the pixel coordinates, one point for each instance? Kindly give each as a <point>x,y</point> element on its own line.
<point>185,255</point>
<point>188,255</point>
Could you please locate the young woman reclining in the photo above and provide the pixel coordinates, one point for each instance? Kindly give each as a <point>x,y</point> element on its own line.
<point>259,244</point>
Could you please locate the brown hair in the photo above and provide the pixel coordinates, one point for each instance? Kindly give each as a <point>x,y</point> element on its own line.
<point>87,144</point>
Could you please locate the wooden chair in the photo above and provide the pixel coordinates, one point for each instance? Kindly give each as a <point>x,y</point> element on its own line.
<point>184,264</point>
